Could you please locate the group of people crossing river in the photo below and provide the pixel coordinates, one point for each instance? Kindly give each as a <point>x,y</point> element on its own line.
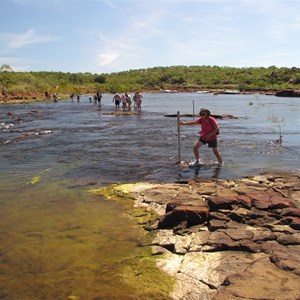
<point>122,102</point>
<point>208,124</point>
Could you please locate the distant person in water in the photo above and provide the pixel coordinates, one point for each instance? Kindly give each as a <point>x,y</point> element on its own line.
<point>55,97</point>
<point>137,100</point>
<point>124,102</point>
<point>99,97</point>
<point>134,101</point>
<point>208,134</point>
<point>116,100</point>
<point>129,101</point>
<point>95,97</point>
<point>4,92</point>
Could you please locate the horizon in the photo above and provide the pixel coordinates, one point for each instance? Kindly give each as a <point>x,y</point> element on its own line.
<point>151,68</point>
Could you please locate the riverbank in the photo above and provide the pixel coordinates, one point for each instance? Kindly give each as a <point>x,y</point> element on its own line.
<point>23,98</point>
<point>223,239</point>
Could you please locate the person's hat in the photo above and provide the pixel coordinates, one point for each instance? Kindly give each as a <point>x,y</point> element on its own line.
<point>204,110</point>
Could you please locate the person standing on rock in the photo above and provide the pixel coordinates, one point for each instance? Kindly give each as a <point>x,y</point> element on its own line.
<point>116,100</point>
<point>137,101</point>
<point>139,98</point>
<point>128,100</point>
<point>208,134</point>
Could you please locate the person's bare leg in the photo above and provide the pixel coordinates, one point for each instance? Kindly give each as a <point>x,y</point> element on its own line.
<point>196,149</point>
<point>217,154</point>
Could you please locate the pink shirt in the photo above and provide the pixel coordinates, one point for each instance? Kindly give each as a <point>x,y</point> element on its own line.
<point>207,128</point>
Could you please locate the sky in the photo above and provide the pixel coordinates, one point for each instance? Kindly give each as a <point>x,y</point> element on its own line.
<point>106,36</point>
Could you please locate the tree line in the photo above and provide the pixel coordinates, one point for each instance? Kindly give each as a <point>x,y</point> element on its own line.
<point>181,78</point>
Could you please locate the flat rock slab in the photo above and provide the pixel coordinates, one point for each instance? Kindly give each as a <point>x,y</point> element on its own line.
<point>226,239</point>
<point>119,112</point>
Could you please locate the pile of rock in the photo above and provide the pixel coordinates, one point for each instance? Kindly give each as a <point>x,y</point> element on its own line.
<point>227,239</point>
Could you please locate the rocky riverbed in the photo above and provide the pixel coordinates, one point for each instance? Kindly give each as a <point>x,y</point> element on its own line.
<point>225,239</point>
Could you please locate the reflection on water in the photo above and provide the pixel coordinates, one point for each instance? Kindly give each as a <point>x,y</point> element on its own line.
<point>59,241</point>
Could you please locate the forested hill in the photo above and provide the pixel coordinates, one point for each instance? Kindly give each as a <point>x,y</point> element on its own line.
<point>181,78</point>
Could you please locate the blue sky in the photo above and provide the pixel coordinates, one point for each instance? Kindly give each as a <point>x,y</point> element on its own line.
<point>105,36</point>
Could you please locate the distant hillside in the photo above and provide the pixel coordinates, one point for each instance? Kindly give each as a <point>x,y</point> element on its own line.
<point>180,78</point>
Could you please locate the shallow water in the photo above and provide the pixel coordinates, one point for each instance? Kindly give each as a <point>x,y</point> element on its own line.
<point>109,148</point>
<point>57,239</point>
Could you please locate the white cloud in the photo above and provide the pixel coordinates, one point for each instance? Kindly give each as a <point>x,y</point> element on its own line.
<point>110,3</point>
<point>27,38</point>
<point>128,43</point>
<point>105,59</point>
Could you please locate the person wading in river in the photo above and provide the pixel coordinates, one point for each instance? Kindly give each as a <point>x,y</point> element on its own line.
<point>117,99</point>
<point>208,134</point>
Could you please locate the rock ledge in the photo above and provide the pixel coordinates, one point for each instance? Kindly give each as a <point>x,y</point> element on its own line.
<point>226,239</point>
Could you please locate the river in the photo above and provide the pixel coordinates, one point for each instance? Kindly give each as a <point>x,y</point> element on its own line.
<point>57,239</point>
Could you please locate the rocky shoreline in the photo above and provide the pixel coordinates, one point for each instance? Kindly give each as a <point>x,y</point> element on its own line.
<point>225,239</point>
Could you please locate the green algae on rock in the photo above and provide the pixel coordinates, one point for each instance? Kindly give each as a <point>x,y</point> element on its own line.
<point>140,271</point>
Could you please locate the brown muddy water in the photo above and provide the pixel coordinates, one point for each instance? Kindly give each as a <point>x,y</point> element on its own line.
<point>60,241</point>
